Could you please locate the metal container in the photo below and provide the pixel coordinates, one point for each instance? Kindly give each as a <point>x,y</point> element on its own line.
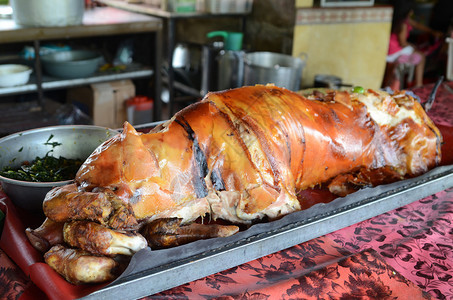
<point>209,66</point>
<point>230,59</point>
<point>329,81</point>
<point>181,56</point>
<point>48,13</point>
<point>280,69</point>
<point>71,64</point>
<point>230,69</point>
<point>228,6</point>
<point>69,141</point>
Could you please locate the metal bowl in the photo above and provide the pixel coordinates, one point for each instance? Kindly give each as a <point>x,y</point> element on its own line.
<point>69,141</point>
<point>71,64</point>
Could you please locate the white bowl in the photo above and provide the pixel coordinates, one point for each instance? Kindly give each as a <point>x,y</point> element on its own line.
<point>12,75</point>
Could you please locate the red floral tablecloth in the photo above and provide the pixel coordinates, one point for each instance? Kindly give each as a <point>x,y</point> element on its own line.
<point>406,253</point>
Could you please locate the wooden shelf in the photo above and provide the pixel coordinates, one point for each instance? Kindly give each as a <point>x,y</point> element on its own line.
<point>96,22</point>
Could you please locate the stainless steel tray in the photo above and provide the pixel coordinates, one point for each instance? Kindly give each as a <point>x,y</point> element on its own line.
<point>153,271</point>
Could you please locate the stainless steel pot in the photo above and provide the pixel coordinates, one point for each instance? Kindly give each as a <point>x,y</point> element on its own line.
<point>230,69</point>
<point>48,13</point>
<point>209,66</point>
<point>280,69</point>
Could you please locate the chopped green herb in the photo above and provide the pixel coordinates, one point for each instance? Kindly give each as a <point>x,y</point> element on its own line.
<point>53,144</point>
<point>46,169</point>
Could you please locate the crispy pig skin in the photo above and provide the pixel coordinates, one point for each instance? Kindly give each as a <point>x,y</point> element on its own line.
<point>243,154</point>
<point>238,155</point>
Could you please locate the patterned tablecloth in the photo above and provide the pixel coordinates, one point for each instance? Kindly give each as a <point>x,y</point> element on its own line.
<point>406,253</point>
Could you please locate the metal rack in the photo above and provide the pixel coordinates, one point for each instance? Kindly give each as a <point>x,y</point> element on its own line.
<point>102,21</point>
<point>171,18</point>
<point>48,83</point>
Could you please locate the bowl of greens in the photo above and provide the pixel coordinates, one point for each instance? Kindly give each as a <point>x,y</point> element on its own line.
<point>34,161</point>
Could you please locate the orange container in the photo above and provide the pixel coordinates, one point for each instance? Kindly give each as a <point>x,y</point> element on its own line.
<point>139,110</point>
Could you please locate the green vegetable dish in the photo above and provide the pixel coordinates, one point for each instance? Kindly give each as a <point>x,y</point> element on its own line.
<point>46,169</point>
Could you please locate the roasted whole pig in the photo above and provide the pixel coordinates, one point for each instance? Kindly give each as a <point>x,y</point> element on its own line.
<point>219,165</point>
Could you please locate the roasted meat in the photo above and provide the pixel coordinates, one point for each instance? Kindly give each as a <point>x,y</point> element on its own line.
<point>240,156</point>
<point>98,239</point>
<point>78,266</point>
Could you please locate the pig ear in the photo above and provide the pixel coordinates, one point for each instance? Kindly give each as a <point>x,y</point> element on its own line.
<point>128,129</point>
<point>138,162</point>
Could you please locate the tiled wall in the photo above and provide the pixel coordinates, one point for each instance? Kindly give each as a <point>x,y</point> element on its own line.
<point>347,42</point>
<point>350,43</point>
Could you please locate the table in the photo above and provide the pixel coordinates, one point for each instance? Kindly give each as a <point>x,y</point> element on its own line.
<point>405,253</point>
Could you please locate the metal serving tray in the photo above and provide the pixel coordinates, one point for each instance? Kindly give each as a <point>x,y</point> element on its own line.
<point>151,272</point>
